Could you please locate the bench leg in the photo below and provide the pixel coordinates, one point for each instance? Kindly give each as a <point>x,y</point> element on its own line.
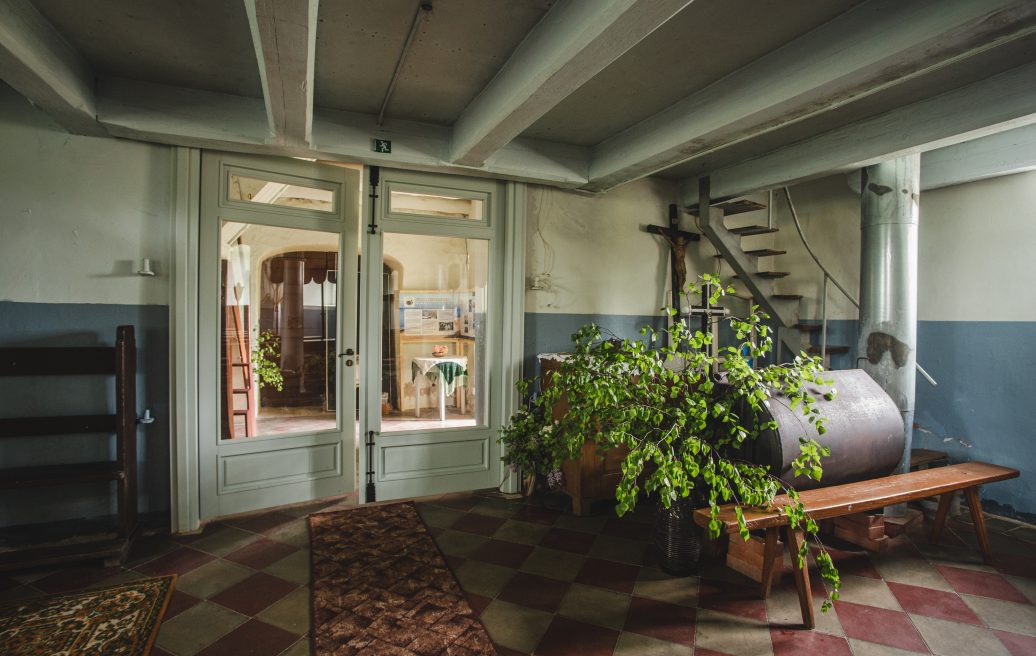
<point>801,577</point>
<point>769,553</point>
<point>945,501</point>
<point>978,518</point>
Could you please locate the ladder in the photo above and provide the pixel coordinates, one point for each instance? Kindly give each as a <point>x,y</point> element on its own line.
<point>237,369</point>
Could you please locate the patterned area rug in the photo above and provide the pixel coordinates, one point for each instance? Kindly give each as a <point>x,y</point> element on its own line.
<point>121,620</point>
<point>381,587</point>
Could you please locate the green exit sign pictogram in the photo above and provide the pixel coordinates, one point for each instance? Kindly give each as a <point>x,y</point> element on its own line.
<point>381,145</point>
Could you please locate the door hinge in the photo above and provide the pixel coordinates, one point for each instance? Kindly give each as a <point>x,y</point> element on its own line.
<point>370,494</point>
<point>375,179</point>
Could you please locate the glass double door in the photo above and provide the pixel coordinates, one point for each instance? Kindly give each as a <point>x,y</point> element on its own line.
<point>282,367</point>
<point>277,332</point>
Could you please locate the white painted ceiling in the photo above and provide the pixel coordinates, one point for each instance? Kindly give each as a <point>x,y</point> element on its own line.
<point>570,113</point>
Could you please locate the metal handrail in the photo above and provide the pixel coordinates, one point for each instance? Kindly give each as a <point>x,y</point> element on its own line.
<point>829,277</point>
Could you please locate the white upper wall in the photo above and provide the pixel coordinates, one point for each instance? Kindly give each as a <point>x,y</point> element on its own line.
<point>600,259</point>
<point>829,212</point>
<point>976,248</point>
<point>79,213</point>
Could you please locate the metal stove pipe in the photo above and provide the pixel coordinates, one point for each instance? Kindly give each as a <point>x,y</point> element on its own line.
<point>888,284</point>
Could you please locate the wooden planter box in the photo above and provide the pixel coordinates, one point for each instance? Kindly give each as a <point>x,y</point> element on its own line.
<point>591,477</point>
<point>747,557</point>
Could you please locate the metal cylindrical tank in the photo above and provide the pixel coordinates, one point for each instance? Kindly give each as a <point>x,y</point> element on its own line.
<point>864,432</point>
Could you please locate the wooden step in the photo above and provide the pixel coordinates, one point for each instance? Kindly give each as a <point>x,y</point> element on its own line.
<point>108,550</point>
<point>240,412</point>
<point>808,327</point>
<point>242,390</point>
<point>772,275</point>
<point>749,230</point>
<point>732,207</point>
<point>764,252</point>
<point>60,474</point>
<point>814,349</point>
<point>788,297</point>
<point>240,364</point>
<point>67,425</point>
<point>57,361</point>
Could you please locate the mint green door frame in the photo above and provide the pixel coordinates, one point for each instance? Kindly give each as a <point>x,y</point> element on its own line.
<point>237,476</point>
<point>504,228</point>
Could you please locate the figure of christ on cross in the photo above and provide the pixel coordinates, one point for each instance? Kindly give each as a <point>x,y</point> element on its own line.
<point>677,240</point>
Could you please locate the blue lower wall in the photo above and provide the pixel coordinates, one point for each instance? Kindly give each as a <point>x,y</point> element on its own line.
<point>552,333</point>
<point>980,410</point>
<point>74,324</point>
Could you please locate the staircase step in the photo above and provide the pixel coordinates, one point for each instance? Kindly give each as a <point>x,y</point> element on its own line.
<point>788,297</point>
<point>241,412</point>
<point>831,350</point>
<point>732,207</point>
<point>749,230</point>
<point>764,252</point>
<point>773,275</point>
<point>242,390</point>
<point>808,327</point>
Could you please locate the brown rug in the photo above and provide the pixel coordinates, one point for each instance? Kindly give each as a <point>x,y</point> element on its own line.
<point>120,620</point>
<point>381,586</point>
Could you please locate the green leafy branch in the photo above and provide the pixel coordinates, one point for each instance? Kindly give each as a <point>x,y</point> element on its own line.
<point>266,356</point>
<point>685,416</point>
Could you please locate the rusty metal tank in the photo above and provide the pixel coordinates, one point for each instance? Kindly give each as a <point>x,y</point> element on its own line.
<point>864,432</point>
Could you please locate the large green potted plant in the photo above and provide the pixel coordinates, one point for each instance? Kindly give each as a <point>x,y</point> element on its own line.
<point>684,415</point>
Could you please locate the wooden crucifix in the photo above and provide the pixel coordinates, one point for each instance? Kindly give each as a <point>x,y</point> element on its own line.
<point>677,240</point>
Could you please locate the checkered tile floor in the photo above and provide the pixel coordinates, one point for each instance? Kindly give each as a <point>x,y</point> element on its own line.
<point>547,583</point>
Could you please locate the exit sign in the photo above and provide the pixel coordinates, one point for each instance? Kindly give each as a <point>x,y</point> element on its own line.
<point>381,145</point>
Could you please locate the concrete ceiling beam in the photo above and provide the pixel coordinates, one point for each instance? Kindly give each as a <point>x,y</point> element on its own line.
<point>574,42</point>
<point>1004,153</point>
<point>204,119</point>
<point>183,117</point>
<point>37,62</point>
<point>991,106</point>
<point>870,48</point>
<point>284,33</point>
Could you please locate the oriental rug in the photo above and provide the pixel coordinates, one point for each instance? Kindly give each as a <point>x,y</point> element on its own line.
<point>382,587</point>
<point>120,620</point>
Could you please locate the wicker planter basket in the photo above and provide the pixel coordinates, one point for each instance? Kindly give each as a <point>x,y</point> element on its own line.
<point>677,539</point>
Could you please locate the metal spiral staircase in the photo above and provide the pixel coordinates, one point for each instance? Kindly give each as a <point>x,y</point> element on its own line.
<point>761,283</point>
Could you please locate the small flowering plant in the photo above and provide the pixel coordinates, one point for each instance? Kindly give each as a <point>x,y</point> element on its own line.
<point>531,444</point>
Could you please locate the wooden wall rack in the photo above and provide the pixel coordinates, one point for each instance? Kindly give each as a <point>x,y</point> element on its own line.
<point>118,361</point>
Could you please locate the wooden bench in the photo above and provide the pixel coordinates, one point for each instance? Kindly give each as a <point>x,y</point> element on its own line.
<point>851,498</point>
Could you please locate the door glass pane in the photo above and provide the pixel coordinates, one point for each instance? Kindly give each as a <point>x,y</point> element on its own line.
<point>434,329</point>
<point>278,330</point>
<point>268,192</point>
<point>437,205</point>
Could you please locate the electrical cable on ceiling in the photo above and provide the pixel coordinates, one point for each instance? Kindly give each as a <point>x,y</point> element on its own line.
<point>423,8</point>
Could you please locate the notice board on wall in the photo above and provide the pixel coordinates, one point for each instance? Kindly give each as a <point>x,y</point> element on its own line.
<point>439,313</point>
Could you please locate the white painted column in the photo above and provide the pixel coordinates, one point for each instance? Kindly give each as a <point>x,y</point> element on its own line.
<point>888,285</point>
